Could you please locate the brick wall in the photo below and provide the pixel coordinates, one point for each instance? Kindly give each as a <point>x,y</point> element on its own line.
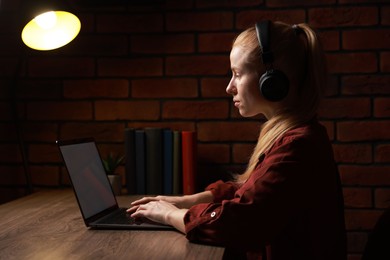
<point>165,63</point>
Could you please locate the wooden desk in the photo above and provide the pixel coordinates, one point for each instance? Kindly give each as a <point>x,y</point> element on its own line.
<point>48,225</point>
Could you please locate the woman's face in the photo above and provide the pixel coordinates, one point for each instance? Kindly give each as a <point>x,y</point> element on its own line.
<point>244,86</point>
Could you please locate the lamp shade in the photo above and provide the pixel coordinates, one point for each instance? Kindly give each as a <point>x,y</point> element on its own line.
<point>49,25</point>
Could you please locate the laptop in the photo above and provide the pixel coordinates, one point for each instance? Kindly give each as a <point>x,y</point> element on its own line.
<point>93,191</point>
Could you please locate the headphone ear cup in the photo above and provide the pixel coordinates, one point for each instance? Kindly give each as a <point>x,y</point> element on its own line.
<point>274,85</point>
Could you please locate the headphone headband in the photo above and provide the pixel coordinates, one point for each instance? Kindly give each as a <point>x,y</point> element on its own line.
<point>273,83</point>
<point>262,31</point>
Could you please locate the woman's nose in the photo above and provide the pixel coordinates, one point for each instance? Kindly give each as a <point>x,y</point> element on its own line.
<point>230,89</point>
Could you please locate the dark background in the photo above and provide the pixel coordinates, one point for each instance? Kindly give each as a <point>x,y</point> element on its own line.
<point>166,63</point>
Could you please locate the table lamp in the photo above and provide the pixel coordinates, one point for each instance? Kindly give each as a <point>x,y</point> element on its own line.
<point>47,25</point>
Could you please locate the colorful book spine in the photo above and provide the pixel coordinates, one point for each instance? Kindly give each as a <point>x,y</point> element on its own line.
<point>177,165</point>
<point>189,161</point>
<point>130,172</point>
<point>154,161</point>
<point>140,161</point>
<point>168,161</point>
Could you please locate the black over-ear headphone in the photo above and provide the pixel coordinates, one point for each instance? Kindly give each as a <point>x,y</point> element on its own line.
<point>273,83</point>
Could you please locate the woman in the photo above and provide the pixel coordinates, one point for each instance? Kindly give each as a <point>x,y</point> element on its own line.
<point>288,203</point>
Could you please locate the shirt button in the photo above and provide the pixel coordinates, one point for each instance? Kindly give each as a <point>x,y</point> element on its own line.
<point>213,214</point>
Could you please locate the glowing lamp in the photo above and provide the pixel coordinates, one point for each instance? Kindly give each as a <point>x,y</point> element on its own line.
<point>51,27</point>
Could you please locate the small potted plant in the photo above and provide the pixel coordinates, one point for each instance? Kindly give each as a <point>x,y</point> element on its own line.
<point>110,164</point>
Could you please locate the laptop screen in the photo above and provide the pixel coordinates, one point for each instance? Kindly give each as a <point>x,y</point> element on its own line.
<point>88,177</point>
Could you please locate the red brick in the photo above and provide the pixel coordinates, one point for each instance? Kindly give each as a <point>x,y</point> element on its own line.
<point>12,175</point>
<point>8,67</point>
<point>215,42</point>
<point>116,149</point>
<point>8,132</point>
<point>40,89</point>
<point>343,16</point>
<point>289,3</point>
<point>205,21</point>
<point>10,45</point>
<point>174,125</point>
<point>332,88</point>
<point>178,4</point>
<point>216,153</point>
<point>45,175</point>
<point>382,107</point>
<point>214,87</point>
<point>120,67</point>
<point>249,18</point>
<point>41,132</point>
<point>10,153</point>
<point>10,5</point>
<point>385,14</point>
<point>361,219</point>
<point>195,110</point>
<point>99,45</point>
<point>5,111</point>
<point>382,198</point>
<point>87,24</point>
<point>352,62</point>
<point>228,131</point>
<point>356,242</point>
<point>162,43</point>
<point>242,152</point>
<point>96,88</point>
<point>164,88</point>
<point>367,85</point>
<point>382,152</point>
<point>357,197</point>
<point>361,1</point>
<point>50,110</point>
<point>385,62</point>
<point>9,21</point>
<point>364,175</point>
<point>44,153</point>
<point>63,67</point>
<point>102,132</point>
<point>366,39</point>
<point>345,108</point>
<point>330,40</point>
<point>363,130</point>
<point>198,65</point>
<point>129,23</point>
<point>352,153</point>
<point>241,3</point>
<point>127,110</point>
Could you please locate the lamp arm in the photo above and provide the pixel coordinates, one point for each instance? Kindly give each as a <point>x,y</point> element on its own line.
<point>18,126</point>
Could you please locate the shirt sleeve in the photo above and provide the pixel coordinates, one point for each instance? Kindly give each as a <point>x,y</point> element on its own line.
<point>222,190</point>
<point>259,209</point>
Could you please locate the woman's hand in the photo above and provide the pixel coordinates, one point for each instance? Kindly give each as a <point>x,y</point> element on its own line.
<point>178,201</point>
<point>160,211</point>
<point>182,202</point>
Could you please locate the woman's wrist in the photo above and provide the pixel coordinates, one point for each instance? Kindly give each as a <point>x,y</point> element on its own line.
<point>197,198</point>
<point>175,218</point>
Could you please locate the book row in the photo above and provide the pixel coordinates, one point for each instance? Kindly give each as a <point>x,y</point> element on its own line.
<point>160,161</point>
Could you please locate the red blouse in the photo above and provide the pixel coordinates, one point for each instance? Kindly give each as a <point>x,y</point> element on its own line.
<point>291,206</point>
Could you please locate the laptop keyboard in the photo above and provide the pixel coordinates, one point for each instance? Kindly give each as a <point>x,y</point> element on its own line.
<point>121,217</point>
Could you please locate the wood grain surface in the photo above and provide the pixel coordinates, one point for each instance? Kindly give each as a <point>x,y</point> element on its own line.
<point>48,225</point>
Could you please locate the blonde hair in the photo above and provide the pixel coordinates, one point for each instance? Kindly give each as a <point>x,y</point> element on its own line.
<point>298,53</point>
